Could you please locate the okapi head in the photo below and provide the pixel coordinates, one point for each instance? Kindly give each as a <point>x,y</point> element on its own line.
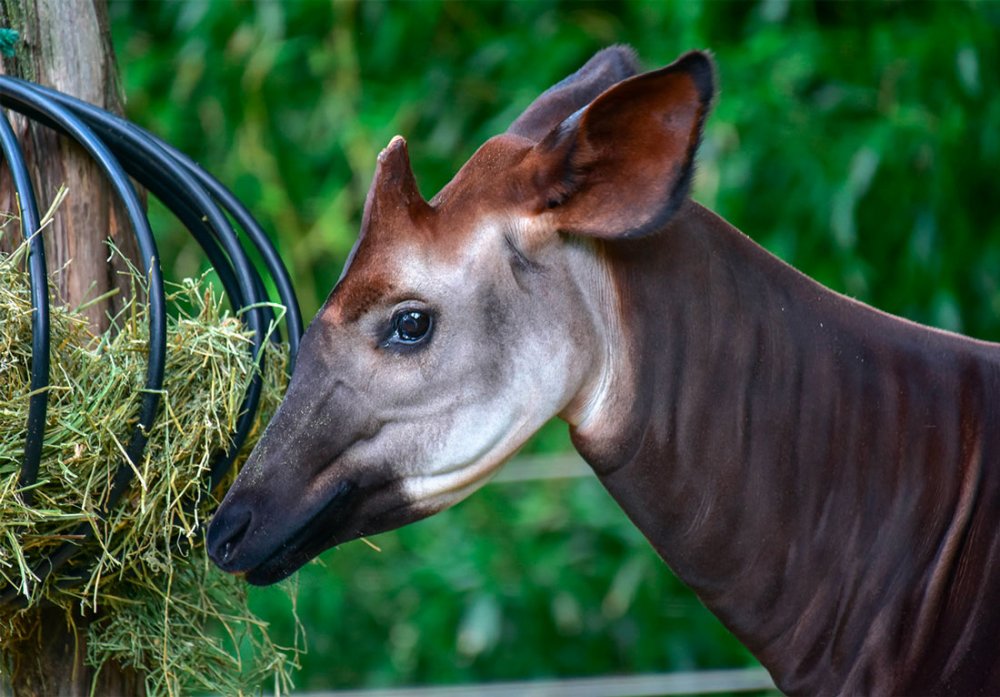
<point>461,325</point>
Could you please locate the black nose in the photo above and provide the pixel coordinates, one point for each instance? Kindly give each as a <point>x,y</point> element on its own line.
<point>227,530</point>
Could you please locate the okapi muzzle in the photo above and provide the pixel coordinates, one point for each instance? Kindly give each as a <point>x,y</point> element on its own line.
<point>825,476</point>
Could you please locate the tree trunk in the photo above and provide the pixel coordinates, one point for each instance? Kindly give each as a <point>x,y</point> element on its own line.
<point>66,44</point>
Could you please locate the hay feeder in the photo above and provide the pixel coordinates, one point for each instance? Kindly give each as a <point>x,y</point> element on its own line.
<point>213,216</point>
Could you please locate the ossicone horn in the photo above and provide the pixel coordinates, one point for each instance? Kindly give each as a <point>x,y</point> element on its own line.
<point>394,198</point>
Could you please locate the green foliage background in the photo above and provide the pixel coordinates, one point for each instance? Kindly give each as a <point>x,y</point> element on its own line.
<point>858,141</point>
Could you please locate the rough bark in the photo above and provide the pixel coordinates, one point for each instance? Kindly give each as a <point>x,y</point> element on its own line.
<point>66,44</point>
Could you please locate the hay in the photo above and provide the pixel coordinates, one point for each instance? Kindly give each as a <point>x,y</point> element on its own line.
<point>164,608</point>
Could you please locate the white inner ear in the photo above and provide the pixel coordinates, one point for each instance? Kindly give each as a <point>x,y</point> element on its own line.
<point>531,232</point>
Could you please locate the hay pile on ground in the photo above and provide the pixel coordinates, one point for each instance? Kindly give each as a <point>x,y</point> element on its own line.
<point>163,607</point>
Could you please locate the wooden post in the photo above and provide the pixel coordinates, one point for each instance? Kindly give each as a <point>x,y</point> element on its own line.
<point>66,44</point>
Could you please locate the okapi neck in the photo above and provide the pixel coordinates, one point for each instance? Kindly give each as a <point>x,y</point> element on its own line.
<point>810,466</point>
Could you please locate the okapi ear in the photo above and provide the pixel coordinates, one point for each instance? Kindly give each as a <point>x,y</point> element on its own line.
<point>622,166</point>
<point>605,68</point>
<point>393,199</point>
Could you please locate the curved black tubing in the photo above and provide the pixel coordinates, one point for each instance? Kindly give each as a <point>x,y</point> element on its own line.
<point>18,95</point>
<point>154,164</point>
<point>205,207</point>
<point>121,135</point>
<point>38,403</point>
<point>173,184</point>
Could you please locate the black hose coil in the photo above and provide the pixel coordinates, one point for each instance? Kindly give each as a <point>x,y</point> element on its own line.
<point>203,205</point>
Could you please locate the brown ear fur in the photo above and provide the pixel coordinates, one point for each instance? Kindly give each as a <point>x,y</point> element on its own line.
<point>604,69</point>
<point>622,166</point>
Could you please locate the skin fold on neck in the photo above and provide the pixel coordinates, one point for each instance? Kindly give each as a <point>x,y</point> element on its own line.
<point>810,466</point>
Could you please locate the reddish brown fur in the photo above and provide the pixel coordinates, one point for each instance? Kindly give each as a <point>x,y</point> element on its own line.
<point>826,477</point>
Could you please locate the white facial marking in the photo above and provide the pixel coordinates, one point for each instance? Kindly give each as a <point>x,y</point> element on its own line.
<point>491,392</point>
<point>590,273</point>
<point>592,404</point>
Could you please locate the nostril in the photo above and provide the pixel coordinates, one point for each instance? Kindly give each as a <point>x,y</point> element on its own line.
<point>227,530</point>
<point>227,550</point>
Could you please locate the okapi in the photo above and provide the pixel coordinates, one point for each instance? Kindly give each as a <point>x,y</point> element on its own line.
<point>825,476</point>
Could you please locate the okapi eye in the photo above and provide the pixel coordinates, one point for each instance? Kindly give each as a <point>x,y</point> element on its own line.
<point>410,326</point>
